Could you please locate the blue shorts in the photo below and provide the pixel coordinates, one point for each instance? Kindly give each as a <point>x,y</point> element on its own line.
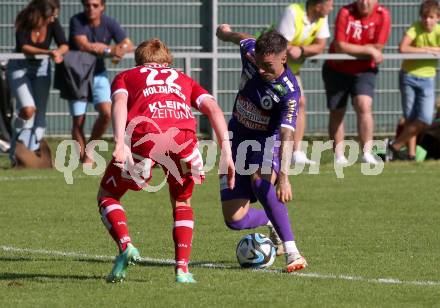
<point>101,94</point>
<point>418,98</point>
<point>264,155</point>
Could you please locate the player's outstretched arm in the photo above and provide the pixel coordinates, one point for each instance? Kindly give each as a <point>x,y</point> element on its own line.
<point>119,118</point>
<point>225,33</point>
<point>211,109</point>
<point>284,189</point>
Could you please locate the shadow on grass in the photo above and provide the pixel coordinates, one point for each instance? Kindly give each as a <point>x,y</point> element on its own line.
<point>29,259</point>
<point>204,264</point>
<point>46,277</point>
<point>171,263</point>
<point>93,260</point>
<point>18,279</point>
<point>146,262</point>
<point>16,259</point>
<point>161,262</point>
<point>141,263</point>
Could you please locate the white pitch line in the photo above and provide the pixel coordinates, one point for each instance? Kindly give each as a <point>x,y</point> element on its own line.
<point>225,266</point>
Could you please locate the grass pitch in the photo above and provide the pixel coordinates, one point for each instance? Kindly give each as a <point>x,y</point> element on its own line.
<point>369,240</point>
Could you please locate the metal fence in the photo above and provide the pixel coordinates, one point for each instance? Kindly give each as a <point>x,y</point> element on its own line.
<point>188,28</point>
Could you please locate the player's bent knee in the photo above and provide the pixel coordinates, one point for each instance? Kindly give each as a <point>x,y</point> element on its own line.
<point>233,219</point>
<point>235,210</point>
<point>232,225</point>
<point>26,113</point>
<point>235,225</point>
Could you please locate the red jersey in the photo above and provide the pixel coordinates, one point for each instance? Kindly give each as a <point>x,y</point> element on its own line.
<point>350,27</point>
<point>162,94</point>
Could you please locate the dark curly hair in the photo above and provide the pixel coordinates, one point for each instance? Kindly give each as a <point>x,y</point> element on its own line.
<point>271,42</point>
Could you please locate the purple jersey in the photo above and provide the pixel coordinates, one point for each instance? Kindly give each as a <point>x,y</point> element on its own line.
<point>262,107</point>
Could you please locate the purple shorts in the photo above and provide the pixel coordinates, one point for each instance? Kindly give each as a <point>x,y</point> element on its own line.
<point>249,156</point>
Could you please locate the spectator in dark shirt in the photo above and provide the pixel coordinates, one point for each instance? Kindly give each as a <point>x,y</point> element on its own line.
<point>92,31</point>
<point>29,79</point>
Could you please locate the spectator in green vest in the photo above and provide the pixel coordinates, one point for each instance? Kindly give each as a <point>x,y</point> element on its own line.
<point>305,26</point>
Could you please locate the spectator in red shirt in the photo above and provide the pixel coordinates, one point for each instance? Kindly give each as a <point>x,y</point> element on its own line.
<point>362,29</point>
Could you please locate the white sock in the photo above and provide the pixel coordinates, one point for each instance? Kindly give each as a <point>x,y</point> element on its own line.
<point>290,248</point>
<point>339,156</point>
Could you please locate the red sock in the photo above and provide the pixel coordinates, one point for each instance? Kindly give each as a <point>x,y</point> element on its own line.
<point>182,235</point>
<point>113,217</point>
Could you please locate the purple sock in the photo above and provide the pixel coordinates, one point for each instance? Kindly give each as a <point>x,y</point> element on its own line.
<point>275,210</point>
<point>253,219</point>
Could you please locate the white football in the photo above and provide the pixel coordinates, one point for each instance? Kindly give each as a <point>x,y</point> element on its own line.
<point>255,251</point>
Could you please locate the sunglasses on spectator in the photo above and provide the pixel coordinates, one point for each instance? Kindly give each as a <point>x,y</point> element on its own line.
<point>91,5</point>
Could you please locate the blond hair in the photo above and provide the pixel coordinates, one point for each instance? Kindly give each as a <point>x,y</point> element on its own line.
<point>153,50</point>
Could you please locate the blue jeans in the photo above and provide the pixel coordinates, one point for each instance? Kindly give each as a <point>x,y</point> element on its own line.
<point>418,97</point>
<point>29,81</point>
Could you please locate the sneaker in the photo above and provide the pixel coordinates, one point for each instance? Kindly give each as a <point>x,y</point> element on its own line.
<point>393,154</point>
<point>341,160</point>
<point>369,159</point>
<point>4,146</point>
<point>295,263</point>
<point>411,157</point>
<point>299,157</point>
<point>183,277</point>
<point>275,238</point>
<point>129,256</point>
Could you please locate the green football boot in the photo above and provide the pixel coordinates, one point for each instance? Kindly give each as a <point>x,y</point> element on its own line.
<point>129,256</point>
<point>183,277</point>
